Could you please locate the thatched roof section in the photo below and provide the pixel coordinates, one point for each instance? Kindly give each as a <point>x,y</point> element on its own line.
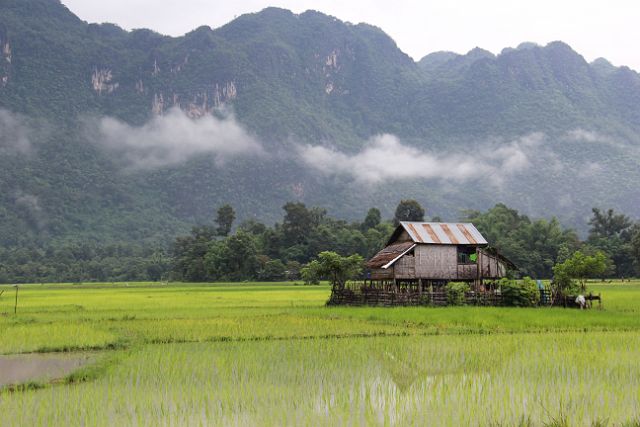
<point>389,254</point>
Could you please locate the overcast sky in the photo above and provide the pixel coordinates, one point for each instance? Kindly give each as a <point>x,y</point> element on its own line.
<point>609,29</point>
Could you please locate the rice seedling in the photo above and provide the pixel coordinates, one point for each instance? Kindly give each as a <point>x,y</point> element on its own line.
<point>241,355</point>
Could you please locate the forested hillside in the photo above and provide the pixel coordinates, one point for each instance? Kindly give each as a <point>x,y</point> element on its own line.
<point>109,137</point>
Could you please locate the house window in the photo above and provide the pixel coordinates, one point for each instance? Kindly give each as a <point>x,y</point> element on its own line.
<point>467,255</point>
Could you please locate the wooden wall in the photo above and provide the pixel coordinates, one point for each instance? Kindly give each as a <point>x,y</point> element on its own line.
<point>405,267</point>
<point>467,271</point>
<point>440,262</point>
<point>436,261</point>
<point>491,266</point>
<point>379,273</point>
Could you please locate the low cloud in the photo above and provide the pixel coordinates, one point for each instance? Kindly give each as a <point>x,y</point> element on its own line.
<point>585,135</point>
<point>174,138</point>
<point>590,170</point>
<point>32,210</point>
<point>15,134</point>
<point>385,158</point>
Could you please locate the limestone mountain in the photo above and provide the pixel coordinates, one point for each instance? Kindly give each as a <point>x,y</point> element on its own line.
<point>566,131</point>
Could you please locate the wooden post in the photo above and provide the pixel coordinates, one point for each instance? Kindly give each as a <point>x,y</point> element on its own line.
<point>15,308</point>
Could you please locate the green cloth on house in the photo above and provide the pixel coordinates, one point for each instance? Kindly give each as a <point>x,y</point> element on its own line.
<point>473,257</point>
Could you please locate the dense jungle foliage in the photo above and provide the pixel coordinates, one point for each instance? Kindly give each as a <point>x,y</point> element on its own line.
<point>255,251</point>
<point>291,80</point>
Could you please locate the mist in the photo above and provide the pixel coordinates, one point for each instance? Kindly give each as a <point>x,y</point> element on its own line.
<point>173,139</point>
<point>31,209</point>
<point>386,158</point>
<point>15,133</point>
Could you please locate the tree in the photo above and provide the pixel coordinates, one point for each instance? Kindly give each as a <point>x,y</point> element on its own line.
<point>635,246</point>
<point>253,227</point>
<point>157,265</point>
<point>612,233</point>
<point>563,253</point>
<point>408,210</point>
<point>188,254</point>
<point>534,246</point>
<point>272,271</point>
<point>224,219</point>
<point>581,267</point>
<point>609,224</point>
<point>235,258</point>
<point>336,268</point>
<point>372,219</point>
<point>298,222</point>
<point>293,270</point>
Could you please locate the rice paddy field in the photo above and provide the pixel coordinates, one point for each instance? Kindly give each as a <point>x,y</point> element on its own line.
<point>273,354</point>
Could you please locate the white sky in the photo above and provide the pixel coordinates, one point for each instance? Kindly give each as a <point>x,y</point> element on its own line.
<point>594,28</point>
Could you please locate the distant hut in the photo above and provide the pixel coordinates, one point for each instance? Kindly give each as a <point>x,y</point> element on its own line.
<point>420,258</point>
<point>429,254</point>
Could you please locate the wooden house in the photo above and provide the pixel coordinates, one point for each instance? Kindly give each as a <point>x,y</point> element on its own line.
<point>427,254</point>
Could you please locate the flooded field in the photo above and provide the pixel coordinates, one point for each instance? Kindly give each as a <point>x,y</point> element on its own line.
<point>23,368</point>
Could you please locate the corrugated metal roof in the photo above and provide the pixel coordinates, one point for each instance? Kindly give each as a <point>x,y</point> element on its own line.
<point>444,233</point>
<point>389,254</point>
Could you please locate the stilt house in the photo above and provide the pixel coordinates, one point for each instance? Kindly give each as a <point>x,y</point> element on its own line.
<point>430,254</point>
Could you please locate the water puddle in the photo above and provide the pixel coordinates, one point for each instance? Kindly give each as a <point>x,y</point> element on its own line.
<point>21,368</point>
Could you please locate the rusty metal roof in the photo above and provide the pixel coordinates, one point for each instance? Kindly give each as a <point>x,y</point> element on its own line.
<point>388,255</point>
<point>444,233</point>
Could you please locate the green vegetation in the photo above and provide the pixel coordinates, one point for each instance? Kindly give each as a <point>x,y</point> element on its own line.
<point>255,251</point>
<point>522,293</point>
<point>408,210</point>
<point>581,267</point>
<point>455,292</point>
<point>67,191</point>
<point>337,269</point>
<point>225,218</point>
<point>272,354</point>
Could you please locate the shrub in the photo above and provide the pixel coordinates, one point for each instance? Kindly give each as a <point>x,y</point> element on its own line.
<point>524,293</point>
<point>309,274</point>
<point>455,292</point>
<point>273,270</point>
<point>425,300</point>
<point>336,268</point>
<point>562,281</point>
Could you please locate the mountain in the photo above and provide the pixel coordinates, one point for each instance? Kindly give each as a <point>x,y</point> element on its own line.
<point>108,135</point>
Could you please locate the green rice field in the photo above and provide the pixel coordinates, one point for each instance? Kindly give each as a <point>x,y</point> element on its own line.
<point>273,354</point>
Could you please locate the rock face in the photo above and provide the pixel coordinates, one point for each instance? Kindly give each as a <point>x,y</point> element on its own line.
<point>5,67</point>
<point>6,51</point>
<point>216,97</point>
<point>102,81</point>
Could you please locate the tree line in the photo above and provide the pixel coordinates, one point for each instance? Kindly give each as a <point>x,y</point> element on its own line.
<point>224,251</point>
